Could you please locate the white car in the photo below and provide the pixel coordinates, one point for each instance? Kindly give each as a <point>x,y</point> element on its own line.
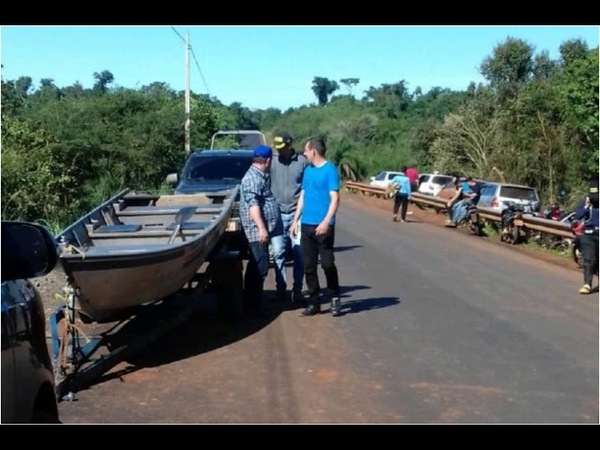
<point>432,183</point>
<point>383,179</point>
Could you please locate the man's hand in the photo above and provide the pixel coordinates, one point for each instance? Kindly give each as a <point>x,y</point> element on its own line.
<point>263,235</point>
<point>323,228</point>
<point>294,228</point>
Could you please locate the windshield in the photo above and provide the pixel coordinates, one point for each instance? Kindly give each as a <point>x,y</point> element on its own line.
<point>519,193</point>
<point>218,168</point>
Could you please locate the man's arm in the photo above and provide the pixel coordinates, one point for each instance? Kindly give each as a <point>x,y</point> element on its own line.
<point>334,202</point>
<point>299,206</point>
<point>251,194</point>
<point>456,197</point>
<point>582,209</point>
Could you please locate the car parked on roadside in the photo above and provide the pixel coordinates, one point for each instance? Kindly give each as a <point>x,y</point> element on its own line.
<point>498,196</point>
<point>383,179</point>
<point>28,386</point>
<point>432,183</point>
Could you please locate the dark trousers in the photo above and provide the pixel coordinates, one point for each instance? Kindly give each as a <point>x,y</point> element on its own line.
<point>256,272</point>
<point>314,246</point>
<point>401,201</point>
<point>589,250</point>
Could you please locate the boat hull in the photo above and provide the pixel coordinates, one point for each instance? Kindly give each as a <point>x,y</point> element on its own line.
<point>114,272</point>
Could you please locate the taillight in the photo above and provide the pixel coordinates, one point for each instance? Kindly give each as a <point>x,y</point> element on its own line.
<point>494,202</point>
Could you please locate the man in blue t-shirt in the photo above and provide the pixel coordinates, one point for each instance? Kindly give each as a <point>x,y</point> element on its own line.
<point>402,195</point>
<point>469,194</point>
<point>318,203</point>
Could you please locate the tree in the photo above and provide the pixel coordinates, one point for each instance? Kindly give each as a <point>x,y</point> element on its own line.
<point>103,79</point>
<point>350,83</point>
<point>392,99</point>
<point>510,66</point>
<point>323,88</point>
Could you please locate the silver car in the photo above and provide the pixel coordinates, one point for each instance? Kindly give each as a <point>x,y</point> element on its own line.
<point>498,196</point>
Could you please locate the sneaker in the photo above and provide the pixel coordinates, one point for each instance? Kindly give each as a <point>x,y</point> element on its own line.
<point>395,219</point>
<point>585,289</point>
<point>336,307</point>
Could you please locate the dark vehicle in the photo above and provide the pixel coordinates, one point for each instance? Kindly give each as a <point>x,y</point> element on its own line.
<point>473,221</point>
<point>218,169</point>
<point>577,229</point>
<point>211,171</point>
<point>28,386</point>
<point>511,223</point>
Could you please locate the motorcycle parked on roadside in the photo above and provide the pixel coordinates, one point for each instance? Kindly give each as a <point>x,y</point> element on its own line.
<point>512,225</point>
<point>473,220</point>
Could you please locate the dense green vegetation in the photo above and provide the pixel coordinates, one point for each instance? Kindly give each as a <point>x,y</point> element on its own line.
<point>534,121</point>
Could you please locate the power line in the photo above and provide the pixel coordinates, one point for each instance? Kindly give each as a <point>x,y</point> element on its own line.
<point>177,33</point>
<point>200,71</point>
<point>195,60</point>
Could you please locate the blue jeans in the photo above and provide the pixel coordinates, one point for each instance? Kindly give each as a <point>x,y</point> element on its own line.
<point>460,211</point>
<point>279,247</point>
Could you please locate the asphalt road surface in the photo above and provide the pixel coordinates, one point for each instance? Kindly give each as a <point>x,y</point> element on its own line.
<point>438,327</point>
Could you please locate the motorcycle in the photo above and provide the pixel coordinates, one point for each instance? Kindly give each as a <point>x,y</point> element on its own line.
<point>512,225</point>
<point>472,220</point>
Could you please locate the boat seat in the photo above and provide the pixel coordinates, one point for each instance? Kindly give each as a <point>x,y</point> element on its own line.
<point>119,228</point>
<point>159,210</point>
<point>190,225</point>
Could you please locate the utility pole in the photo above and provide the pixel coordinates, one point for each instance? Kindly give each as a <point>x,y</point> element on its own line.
<point>187,94</point>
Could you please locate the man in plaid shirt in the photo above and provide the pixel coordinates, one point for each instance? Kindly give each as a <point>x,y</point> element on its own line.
<point>261,220</point>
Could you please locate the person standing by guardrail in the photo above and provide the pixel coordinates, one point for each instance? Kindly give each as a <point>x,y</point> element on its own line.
<point>287,170</point>
<point>261,221</point>
<point>318,204</point>
<point>402,195</point>
<point>413,175</point>
<point>588,212</point>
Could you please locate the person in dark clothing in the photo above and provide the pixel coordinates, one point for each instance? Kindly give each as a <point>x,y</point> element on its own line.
<point>588,212</point>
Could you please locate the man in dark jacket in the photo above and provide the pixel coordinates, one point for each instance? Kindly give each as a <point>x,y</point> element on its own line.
<point>588,212</point>
<point>287,171</point>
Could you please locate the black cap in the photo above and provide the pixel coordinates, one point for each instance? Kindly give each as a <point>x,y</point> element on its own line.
<point>281,139</point>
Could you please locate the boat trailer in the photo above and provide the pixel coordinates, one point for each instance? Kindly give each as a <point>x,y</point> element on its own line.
<point>80,359</point>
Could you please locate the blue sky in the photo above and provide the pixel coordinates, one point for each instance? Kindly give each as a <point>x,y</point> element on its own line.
<point>268,66</point>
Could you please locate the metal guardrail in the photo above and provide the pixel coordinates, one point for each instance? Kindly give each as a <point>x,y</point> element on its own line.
<point>533,223</point>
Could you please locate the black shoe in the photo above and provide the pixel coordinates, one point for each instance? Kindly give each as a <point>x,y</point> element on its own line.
<point>281,296</point>
<point>311,310</point>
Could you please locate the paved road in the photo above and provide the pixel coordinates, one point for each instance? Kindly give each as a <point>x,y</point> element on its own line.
<point>435,330</point>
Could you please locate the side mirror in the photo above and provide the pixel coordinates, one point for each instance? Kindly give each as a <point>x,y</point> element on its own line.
<point>172,178</point>
<point>372,178</point>
<point>28,250</point>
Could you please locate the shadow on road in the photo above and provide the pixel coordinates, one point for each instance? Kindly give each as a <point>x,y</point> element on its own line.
<point>344,248</point>
<point>369,304</point>
<point>202,331</point>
